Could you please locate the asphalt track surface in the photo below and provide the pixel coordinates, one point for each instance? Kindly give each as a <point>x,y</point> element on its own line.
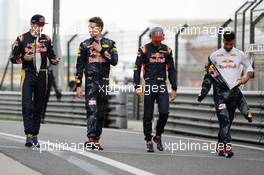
<point>124,153</point>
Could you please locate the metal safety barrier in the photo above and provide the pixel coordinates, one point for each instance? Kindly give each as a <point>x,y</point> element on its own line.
<point>69,110</point>
<point>187,116</point>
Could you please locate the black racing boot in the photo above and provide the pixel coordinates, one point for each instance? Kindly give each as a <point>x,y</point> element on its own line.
<point>150,146</point>
<point>97,145</point>
<point>220,151</point>
<point>228,152</point>
<point>90,143</point>
<point>157,140</point>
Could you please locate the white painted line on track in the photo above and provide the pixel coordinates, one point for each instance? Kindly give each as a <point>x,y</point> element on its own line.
<point>187,138</point>
<point>176,137</point>
<point>108,161</point>
<point>166,135</point>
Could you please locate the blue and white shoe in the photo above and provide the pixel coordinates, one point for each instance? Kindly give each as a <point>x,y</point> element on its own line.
<point>29,140</point>
<point>35,141</point>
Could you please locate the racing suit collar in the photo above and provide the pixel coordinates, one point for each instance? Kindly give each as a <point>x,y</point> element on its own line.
<point>31,35</point>
<point>98,39</point>
<point>92,39</point>
<point>155,46</point>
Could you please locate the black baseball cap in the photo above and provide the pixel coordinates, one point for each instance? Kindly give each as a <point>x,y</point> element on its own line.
<point>38,19</point>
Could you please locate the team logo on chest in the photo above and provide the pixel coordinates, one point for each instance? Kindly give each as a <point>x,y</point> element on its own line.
<point>30,49</point>
<point>228,64</point>
<point>95,57</point>
<point>157,58</point>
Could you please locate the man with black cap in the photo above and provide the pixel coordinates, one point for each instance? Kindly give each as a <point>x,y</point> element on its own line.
<point>32,49</point>
<point>155,58</point>
<point>95,56</point>
<point>225,63</point>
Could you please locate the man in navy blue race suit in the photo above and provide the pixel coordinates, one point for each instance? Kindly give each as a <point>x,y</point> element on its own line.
<point>94,59</point>
<point>156,60</point>
<point>32,50</point>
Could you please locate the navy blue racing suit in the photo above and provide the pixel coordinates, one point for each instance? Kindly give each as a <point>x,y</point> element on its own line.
<point>156,61</point>
<point>96,67</point>
<point>33,80</point>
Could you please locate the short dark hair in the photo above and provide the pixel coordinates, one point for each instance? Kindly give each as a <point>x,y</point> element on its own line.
<point>99,22</point>
<point>229,36</point>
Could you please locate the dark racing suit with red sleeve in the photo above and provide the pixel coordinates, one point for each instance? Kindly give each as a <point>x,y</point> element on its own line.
<point>156,61</point>
<point>33,76</point>
<point>96,67</point>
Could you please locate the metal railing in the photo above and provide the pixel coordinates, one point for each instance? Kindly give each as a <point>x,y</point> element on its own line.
<point>69,110</point>
<point>187,116</point>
